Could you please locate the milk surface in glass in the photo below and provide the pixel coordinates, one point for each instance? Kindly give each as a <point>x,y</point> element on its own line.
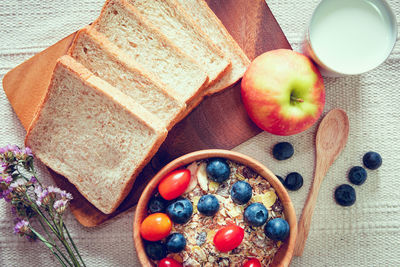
<point>351,36</point>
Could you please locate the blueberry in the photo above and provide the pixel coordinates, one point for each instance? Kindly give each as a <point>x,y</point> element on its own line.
<point>277,229</point>
<point>175,243</point>
<point>357,175</point>
<point>282,151</point>
<point>180,210</point>
<point>345,195</point>
<point>372,160</point>
<point>157,204</point>
<point>293,181</point>
<point>155,250</point>
<point>256,214</point>
<point>208,205</point>
<point>218,170</point>
<point>241,192</point>
<point>280,179</point>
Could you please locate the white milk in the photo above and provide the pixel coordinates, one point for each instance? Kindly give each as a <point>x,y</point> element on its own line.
<point>352,36</point>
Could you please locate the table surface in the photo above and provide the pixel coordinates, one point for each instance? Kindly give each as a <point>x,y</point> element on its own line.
<point>366,234</point>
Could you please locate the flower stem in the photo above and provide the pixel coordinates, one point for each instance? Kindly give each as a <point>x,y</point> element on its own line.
<point>73,244</point>
<point>31,200</point>
<point>52,240</point>
<point>37,209</point>
<point>57,230</point>
<point>63,240</point>
<point>58,257</point>
<point>50,246</point>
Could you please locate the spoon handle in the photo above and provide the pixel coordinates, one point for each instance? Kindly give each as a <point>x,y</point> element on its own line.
<point>308,210</point>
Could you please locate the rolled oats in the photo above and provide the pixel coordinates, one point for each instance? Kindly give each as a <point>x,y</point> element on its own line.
<point>200,230</point>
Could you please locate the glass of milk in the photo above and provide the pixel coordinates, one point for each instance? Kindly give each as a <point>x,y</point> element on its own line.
<point>349,37</point>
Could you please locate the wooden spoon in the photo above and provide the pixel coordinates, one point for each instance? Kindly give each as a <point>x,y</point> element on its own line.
<point>331,138</point>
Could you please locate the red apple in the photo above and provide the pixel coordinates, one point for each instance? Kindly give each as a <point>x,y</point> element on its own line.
<point>283,92</point>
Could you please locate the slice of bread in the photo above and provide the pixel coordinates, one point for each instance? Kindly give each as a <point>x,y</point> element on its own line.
<point>213,27</point>
<point>91,133</point>
<point>106,61</point>
<point>176,24</point>
<point>145,44</point>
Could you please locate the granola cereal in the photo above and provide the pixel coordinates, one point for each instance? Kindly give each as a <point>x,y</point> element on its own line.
<point>200,230</point>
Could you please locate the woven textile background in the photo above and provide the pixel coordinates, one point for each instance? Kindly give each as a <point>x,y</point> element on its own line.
<point>366,234</point>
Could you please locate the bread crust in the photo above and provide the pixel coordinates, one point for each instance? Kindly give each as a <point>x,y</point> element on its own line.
<point>89,79</point>
<point>183,17</point>
<point>233,46</point>
<point>216,50</point>
<point>133,12</point>
<point>132,66</point>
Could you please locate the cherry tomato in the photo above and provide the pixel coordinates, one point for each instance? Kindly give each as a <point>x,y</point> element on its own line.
<point>252,263</point>
<point>168,262</point>
<point>228,238</point>
<point>155,227</point>
<point>174,184</point>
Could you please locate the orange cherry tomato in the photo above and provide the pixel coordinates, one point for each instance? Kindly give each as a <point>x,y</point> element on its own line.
<point>174,184</point>
<point>252,263</point>
<point>155,227</point>
<point>168,262</point>
<point>228,238</point>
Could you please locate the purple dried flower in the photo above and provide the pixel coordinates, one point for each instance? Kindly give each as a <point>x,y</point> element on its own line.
<point>51,200</point>
<point>6,194</point>
<point>5,178</point>
<point>17,183</point>
<point>22,228</point>
<point>65,195</point>
<point>13,210</point>
<point>53,189</point>
<point>60,205</point>
<point>3,167</point>
<point>13,148</point>
<point>28,151</point>
<point>42,196</point>
<point>38,190</point>
<point>18,186</point>
<point>33,180</point>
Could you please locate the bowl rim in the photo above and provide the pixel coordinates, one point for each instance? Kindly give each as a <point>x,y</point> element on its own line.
<point>290,215</point>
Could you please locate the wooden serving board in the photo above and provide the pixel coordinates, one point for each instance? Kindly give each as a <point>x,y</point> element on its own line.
<point>220,121</point>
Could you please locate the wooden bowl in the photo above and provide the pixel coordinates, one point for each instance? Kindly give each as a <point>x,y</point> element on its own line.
<point>285,252</point>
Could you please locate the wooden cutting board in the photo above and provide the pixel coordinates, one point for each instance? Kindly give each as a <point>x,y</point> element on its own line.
<point>220,121</point>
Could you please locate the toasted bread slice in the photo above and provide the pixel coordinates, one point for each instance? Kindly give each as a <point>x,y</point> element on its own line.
<point>176,24</point>
<point>216,31</point>
<point>145,44</point>
<point>91,133</point>
<point>106,61</point>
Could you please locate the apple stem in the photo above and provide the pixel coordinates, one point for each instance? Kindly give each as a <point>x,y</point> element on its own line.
<point>295,99</point>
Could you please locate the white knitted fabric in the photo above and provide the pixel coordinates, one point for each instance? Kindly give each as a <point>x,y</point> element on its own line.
<point>365,234</point>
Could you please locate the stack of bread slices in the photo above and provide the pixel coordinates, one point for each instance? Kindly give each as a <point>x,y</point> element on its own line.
<point>127,79</point>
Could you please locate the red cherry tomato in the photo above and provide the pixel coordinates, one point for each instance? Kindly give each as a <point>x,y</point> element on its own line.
<point>228,238</point>
<point>252,263</point>
<point>168,262</point>
<point>174,184</point>
<point>155,227</point>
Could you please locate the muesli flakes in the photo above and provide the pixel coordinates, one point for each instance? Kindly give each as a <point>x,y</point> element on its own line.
<point>200,230</point>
